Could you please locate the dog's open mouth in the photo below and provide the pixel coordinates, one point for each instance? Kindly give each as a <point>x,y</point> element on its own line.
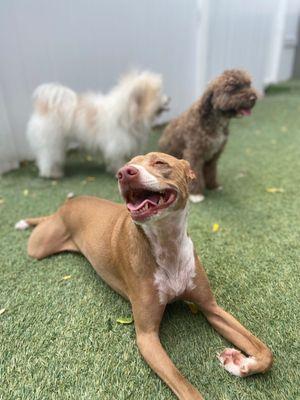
<point>143,203</point>
<point>244,112</point>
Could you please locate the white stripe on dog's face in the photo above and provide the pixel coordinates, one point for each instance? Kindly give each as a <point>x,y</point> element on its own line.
<point>147,179</point>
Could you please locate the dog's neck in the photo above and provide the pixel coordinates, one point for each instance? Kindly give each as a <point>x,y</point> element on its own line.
<point>171,228</point>
<point>215,119</point>
<point>173,251</point>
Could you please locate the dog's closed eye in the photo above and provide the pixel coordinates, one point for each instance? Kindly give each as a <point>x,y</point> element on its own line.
<point>160,162</point>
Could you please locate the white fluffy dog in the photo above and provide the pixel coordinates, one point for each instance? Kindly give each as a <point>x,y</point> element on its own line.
<point>117,124</point>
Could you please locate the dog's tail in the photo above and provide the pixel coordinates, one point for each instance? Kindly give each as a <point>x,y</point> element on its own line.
<point>55,99</point>
<point>29,222</point>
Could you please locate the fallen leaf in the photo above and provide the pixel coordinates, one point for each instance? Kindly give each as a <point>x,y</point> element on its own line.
<point>89,158</point>
<point>274,190</point>
<point>66,277</point>
<point>2,201</point>
<point>193,307</point>
<point>125,320</point>
<point>215,227</point>
<point>2,310</point>
<point>54,183</point>
<point>284,129</point>
<point>25,192</point>
<point>90,178</point>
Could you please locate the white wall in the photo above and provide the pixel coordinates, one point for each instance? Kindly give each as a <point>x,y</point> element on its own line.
<point>87,44</point>
<point>246,35</point>
<point>290,40</point>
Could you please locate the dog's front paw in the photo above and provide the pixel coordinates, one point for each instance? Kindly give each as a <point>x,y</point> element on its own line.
<point>21,225</point>
<point>236,363</point>
<point>196,198</point>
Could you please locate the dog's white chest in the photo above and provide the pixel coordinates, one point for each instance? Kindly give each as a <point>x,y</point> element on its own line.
<point>176,266</point>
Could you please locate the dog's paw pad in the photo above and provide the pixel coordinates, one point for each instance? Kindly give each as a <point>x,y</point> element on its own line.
<point>235,362</point>
<point>21,225</point>
<point>196,198</point>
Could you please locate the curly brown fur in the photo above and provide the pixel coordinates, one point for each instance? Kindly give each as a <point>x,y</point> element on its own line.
<point>199,134</point>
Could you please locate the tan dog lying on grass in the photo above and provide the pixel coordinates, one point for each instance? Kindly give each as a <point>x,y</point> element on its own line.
<point>142,250</point>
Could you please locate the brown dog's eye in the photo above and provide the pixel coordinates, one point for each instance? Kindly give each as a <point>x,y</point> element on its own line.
<point>160,162</point>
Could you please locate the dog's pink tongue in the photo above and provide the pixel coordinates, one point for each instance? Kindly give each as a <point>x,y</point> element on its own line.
<point>152,198</point>
<point>245,111</point>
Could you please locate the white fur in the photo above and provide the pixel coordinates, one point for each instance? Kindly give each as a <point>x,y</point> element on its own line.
<point>147,179</point>
<point>172,247</point>
<point>176,269</point>
<point>116,124</point>
<point>21,225</point>
<point>196,198</point>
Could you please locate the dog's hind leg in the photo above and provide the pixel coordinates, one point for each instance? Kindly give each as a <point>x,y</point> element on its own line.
<point>259,358</point>
<point>49,237</point>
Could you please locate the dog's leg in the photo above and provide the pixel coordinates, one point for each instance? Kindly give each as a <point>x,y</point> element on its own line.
<point>198,185</point>
<point>50,162</point>
<point>47,141</point>
<point>29,222</point>
<point>210,173</point>
<point>260,357</point>
<point>147,319</point>
<point>49,237</point>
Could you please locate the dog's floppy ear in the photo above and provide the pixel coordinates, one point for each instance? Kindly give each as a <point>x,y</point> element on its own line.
<point>206,104</point>
<point>189,173</point>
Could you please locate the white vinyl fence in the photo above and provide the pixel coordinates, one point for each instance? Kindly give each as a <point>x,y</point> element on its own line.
<point>88,44</point>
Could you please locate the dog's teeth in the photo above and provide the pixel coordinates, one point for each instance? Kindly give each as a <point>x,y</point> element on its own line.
<point>146,206</point>
<point>160,201</point>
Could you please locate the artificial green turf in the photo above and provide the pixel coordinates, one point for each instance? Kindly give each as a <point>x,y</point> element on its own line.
<point>60,338</point>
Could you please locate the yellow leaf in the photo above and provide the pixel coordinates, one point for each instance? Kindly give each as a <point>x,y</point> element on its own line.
<point>2,310</point>
<point>89,158</point>
<point>54,183</point>
<point>66,277</point>
<point>2,201</point>
<point>25,192</point>
<point>90,178</point>
<point>125,320</point>
<point>274,190</point>
<point>284,129</point>
<point>193,307</point>
<point>215,227</point>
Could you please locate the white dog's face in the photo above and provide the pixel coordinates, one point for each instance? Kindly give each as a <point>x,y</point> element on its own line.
<point>146,98</point>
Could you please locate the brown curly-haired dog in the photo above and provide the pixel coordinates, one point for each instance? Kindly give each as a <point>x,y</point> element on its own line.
<point>199,134</point>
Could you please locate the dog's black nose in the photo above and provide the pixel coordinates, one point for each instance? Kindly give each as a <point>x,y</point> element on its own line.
<point>127,173</point>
